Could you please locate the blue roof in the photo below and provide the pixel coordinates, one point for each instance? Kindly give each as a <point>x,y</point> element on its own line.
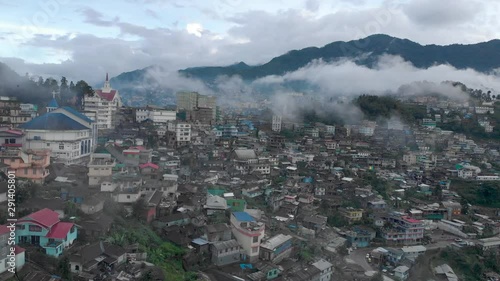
<point>77,113</point>
<point>200,241</point>
<point>243,216</point>
<point>53,103</point>
<point>53,121</point>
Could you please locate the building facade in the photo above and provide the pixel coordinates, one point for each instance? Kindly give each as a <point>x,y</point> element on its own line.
<point>100,168</point>
<point>67,133</point>
<point>44,229</point>
<point>27,164</point>
<point>248,233</point>
<point>104,104</point>
<point>276,248</point>
<point>276,123</point>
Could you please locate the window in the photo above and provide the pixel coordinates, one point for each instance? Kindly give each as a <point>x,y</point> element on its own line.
<point>255,249</point>
<point>12,141</point>
<point>35,228</point>
<point>77,267</point>
<point>61,146</point>
<point>6,141</point>
<point>128,196</point>
<point>48,144</point>
<point>34,171</point>
<point>255,239</point>
<point>25,171</point>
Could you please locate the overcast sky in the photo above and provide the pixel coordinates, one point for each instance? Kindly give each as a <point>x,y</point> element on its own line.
<point>86,39</point>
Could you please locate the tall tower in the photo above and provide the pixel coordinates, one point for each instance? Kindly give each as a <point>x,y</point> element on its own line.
<point>276,124</point>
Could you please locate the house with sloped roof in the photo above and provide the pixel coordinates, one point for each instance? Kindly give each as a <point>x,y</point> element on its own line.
<point>67,133</point>
<point>43,228</point>
<point>96,256</point>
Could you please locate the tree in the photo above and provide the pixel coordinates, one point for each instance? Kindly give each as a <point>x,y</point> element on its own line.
<point>139,209</point>
<point>64,86</point>
<point>64,269</point>
<point>81,90</point>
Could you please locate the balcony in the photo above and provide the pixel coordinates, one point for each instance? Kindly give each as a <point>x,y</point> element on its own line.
<point>53,244</point>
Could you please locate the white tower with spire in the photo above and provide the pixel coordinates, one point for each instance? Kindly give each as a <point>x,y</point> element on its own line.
<point>103,106</point>
<point>107,87</point>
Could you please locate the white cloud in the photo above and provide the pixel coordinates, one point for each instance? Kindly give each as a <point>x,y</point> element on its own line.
<point>195,29</point>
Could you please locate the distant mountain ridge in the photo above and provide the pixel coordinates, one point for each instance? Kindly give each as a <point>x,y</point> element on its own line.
<point>482,57</point>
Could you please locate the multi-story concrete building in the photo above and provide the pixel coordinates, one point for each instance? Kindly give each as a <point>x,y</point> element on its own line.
<point>100,168</point>
<point>27,164</point>
<point>11,112</point>
<point>178,134</point>
<point>189,101</point>
<point>67,133</point>
<point>202,115</point>
<point>276,123</point>
<point>248,233</point>
<point>104,103</point>
<point>11,137</point>
<point>403,230</point>
<point>157,115</point>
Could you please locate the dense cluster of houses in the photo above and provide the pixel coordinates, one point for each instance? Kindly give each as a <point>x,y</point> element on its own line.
<point>245,202</point>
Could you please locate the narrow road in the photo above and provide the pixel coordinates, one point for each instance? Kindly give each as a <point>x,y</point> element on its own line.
<point>358,257</point>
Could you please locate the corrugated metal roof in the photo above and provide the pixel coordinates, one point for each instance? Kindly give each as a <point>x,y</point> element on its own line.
<point>243,216</point>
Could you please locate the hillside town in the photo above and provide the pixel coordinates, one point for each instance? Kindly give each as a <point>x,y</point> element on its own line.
<point>200,192</point>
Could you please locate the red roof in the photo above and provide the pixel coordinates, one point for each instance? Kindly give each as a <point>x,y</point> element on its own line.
<point>151,165</point>
<point>60,230</point>
<point>131,152</point>
<point>411,220</point>
<point>140,147</point>
<point>107,96</point>
<point>45,217</point>
<point>19,250</point>
<point>15,132</point>
<point>3,229</point>
<point>12,144</point>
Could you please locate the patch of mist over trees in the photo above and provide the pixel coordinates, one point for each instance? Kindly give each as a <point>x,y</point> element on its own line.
<point>37,90</point>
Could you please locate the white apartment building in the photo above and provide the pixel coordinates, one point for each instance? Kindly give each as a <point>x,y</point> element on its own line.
<point>67,133</point>
<point>141,114</point>
<point>484,110</point>
<point>156,114</point>
<point>276,124</point>
<point>104,104</point>
<point>248,233</point>
<point>179,133</point>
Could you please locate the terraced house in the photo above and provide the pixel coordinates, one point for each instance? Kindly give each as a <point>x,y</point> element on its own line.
<point>44,229</point>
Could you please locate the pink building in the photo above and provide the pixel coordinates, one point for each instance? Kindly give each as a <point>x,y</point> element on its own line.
<point>27,164</point>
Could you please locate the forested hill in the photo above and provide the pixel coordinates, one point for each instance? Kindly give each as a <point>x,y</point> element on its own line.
<point>482,57</point>
<point>37,90</point>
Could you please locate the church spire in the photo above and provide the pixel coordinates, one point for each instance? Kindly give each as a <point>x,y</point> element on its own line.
<point>107,87</point>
